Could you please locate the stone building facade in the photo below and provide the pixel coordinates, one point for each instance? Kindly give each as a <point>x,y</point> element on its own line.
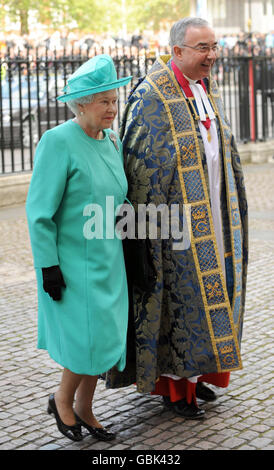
<point>233,16</point>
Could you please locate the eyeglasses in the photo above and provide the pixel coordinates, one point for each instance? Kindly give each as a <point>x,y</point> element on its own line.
<point>204,49</point>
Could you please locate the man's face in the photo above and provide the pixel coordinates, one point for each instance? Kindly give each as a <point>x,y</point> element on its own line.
<point>195,63</point>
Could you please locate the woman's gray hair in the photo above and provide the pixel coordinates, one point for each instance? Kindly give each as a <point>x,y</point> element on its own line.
<point>178,30</point>
<point>73,104</point>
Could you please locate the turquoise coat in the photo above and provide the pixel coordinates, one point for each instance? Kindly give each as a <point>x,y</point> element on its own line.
<point>86,330</point>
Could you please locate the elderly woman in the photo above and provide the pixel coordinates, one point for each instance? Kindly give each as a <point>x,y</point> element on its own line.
<point>82,287</point>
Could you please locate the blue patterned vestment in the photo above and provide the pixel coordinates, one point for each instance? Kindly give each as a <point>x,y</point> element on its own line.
<point>191,322</point>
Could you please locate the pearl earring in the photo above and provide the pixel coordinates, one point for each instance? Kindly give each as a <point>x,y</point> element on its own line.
<point>81,113</point>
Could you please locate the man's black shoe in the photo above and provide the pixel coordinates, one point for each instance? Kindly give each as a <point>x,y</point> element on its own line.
<point>204,393</point>
<point>169,404</point>
<point>182,408</point>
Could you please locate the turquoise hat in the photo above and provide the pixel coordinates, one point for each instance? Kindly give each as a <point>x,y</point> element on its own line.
<point>94,76</point>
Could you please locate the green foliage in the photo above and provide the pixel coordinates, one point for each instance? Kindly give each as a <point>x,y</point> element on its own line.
<point>155,12</point>
<point>98,16</point>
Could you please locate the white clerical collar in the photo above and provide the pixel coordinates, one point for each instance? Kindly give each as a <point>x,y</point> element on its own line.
<point>191,82</point>
<point>201,99</point>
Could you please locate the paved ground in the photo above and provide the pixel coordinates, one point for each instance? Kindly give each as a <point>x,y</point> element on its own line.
<point>242,416</point>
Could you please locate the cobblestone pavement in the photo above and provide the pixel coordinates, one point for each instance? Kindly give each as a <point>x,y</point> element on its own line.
<point>241,417</point>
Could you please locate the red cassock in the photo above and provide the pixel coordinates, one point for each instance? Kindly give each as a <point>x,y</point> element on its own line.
<point>183,388</point>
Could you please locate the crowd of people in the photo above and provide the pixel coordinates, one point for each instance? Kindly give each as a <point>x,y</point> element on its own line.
<point>241,43</point>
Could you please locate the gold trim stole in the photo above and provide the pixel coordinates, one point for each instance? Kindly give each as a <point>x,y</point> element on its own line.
<point>222,318</point>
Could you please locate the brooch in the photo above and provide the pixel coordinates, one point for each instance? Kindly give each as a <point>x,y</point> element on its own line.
<point>114,140</point>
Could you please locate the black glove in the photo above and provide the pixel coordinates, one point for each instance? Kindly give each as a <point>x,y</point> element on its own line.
<point>53,281</point>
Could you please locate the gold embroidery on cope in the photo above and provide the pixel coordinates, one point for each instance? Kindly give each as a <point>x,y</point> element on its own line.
<point>165,83</point>
<point>214,289</point>
<point>162,80</point>
<point>187,110</point>
<point>226,349</point>
<point>188,151</point>
<point>201,227</point>
<point>199,215</point>
<point>227,158</point>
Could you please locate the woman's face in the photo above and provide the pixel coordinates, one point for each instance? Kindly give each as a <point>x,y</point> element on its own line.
<point>100,113</point>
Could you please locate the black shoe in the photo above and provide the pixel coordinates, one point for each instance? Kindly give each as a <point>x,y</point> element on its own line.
<point>182,408</point>
<point>205,393</point>
<point>99,433</point>
<point>169,404</point>
<point>189,411</point>
<point>72,432</point>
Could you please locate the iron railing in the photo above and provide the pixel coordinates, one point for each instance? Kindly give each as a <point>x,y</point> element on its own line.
<point>30,82</point>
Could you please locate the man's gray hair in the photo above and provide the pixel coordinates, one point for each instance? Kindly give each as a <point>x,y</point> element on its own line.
<point>178,30</point>
<point>72,104</point>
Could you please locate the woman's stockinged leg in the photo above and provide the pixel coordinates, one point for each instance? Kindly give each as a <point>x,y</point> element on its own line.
<point>65,394</point>
<point>84,398</point>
